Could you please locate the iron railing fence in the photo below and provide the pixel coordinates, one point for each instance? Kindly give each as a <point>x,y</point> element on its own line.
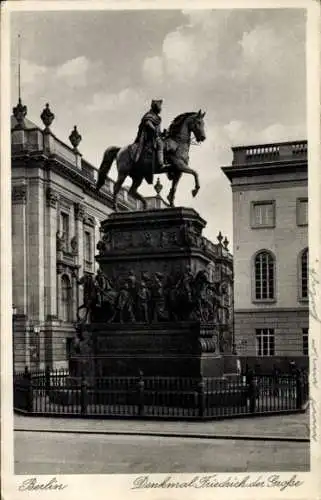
<point>56,392</point>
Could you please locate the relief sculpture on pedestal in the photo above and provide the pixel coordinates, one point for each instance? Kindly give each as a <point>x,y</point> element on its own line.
<point>160,298</point>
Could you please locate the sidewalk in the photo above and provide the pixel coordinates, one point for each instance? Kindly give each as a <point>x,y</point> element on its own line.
<point>293,427</point>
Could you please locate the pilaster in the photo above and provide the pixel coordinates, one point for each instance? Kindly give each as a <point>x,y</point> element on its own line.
<point>79,210</point>
<point>50,235</point>
<point>36,254</point>
<point>19,247</point>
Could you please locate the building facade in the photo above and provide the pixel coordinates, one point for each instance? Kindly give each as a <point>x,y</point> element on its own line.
<point>270,226</point>
<point>56,216</point>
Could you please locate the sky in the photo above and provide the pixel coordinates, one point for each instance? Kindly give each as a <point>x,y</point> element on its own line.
<point>99,70</point>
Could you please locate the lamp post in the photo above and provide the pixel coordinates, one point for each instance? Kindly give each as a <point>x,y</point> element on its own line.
<point>33,344</point>
<point>36,352</point>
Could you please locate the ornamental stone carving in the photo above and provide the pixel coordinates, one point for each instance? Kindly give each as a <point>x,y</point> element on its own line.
<point>47,117</point>
<point>158,187</point>
<point>74,245</point>
<point>20,112</point>
<point>163,239</point>
<point>208,344</point>
<point>145,298</point>
<point>75,139</point>
<point>189,236</point>
<point>101,247</point>
<point>79,211</point>
<point>147,240</point>
<point>153,239</point>
<point>52,198</point>
<point>60,242</point>
<point>19,194</point>
<point>108,241</point>
<point>89,220</point>
<point>60,267</point>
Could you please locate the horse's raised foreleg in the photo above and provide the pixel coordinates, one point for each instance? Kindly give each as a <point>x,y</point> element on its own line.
<point>186,170</point>
<point>171,194</point>
<point>133,191</point>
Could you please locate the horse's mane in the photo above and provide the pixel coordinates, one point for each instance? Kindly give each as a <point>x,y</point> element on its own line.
<point>176,124</point>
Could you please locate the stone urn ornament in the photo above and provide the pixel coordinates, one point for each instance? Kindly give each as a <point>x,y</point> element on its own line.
<point>158,187</point>
<point>75,138</point>
<point>47,117</point>
<point>20,112</point>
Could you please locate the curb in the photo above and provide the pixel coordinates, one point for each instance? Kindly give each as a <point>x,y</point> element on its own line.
<point>239,437</point>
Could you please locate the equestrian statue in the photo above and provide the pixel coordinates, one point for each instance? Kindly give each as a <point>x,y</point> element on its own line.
<point>154,152</point>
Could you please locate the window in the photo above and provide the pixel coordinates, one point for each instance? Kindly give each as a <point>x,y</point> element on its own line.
<point>88,247</point>
<point>65,227</point>
<point>66,299</point>
<point>265,342</point>
<point>305,341</point>
<point>302,212</point>
<point>264,276</point>
<point>263,214</point>
<point>304,274</point>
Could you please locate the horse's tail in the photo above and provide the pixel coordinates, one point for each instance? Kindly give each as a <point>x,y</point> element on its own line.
<point>108,158</point>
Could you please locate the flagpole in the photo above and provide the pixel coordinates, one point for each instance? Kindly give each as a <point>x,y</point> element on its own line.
<point>19,67</point>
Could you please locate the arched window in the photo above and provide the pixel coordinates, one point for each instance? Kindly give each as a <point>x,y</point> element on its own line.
<point>264,276</point>
<point>66,299</point>
<point>304,274</point>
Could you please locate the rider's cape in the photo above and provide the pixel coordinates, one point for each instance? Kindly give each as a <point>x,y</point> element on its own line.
<point>142,135</point>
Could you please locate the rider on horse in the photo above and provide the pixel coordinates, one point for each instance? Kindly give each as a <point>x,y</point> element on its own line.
<point>149,134</point>
<point>137,160</point>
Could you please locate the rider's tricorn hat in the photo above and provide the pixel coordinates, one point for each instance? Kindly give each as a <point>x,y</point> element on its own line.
<point>157,101</point>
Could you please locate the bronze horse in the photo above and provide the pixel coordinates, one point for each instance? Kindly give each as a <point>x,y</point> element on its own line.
<point>177,141</point>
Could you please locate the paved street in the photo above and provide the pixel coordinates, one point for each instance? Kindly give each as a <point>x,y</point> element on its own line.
<point>285,426</point>
<point>52,453</point>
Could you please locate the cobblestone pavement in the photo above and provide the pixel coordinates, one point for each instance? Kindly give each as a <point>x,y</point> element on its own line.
<point>294,426</point>
<point>48,453</point>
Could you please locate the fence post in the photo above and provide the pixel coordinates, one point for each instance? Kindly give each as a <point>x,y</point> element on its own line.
<point>201,398</point>
<point>275,381</point>
<point>29,390</point>
<point>83,395</point>
<point>251,390</point>
<point>298,384</point>
<point>47,380</point>
<point>141,395</point>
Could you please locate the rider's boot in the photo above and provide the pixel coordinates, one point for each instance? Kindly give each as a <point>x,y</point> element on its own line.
<point>160,158</point>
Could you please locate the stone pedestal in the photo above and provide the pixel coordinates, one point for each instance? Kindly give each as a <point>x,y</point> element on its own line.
<point>163,241</point>
<point>182,349</point>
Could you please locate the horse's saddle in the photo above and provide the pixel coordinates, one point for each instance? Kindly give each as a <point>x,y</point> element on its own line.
<point>148,158</point>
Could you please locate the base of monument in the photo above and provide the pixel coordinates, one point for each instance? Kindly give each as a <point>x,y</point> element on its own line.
<point>177,349</point>
<point>202,365</point>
